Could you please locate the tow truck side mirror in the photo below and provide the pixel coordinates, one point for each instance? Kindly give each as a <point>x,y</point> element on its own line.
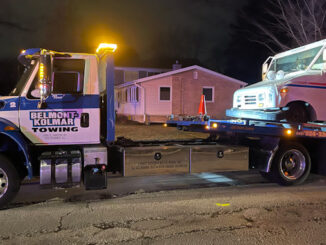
<point>45,76</point>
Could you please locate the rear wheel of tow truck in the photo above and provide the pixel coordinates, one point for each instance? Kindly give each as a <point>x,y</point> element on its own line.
<point>291,164</point>
<point>9,181</point>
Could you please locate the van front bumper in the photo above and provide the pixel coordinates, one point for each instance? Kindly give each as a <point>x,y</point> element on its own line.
<point>268,114</point>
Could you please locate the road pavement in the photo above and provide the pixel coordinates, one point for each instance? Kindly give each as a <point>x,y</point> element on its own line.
<point>232,208</point>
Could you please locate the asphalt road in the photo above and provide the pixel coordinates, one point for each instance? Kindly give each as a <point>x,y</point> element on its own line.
<point>233,208</point>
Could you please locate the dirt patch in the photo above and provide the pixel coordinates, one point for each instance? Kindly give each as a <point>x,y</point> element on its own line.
<point>136,131</point>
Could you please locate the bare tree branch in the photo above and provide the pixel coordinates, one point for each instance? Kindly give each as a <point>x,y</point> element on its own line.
<point>300,21</point>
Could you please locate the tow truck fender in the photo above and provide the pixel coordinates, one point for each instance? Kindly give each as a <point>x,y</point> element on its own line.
<point>11,131</point>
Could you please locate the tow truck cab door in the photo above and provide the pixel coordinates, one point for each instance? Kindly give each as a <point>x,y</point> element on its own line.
<point>72,113</point>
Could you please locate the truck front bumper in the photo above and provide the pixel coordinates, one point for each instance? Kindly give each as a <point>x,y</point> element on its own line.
<point>268,114</point>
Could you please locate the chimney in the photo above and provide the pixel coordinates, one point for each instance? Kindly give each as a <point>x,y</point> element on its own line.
<point>176,66</point>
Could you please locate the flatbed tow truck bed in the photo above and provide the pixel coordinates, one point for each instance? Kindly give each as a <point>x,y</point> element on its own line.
<point>253,128</point>
<point>283,152</point>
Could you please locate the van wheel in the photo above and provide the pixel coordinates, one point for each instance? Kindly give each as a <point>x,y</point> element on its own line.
<point>297,113</point>
<point>291,165</point>
<point>9,181</point>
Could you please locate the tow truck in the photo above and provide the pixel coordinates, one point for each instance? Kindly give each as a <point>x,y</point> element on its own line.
<point>58,124</point>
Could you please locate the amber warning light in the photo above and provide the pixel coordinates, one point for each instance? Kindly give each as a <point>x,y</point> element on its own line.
<point>289,132</point>
<point>106,47</point>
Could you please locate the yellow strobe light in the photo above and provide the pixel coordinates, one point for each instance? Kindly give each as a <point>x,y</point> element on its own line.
<point>41,71</point>
<point>106,46</point>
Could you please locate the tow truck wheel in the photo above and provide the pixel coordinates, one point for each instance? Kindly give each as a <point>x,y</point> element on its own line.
<point>291,165</point>
<point>9,181</point>
<point>297,113</point>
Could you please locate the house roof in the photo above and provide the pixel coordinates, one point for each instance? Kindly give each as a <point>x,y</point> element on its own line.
<point>189,68</point>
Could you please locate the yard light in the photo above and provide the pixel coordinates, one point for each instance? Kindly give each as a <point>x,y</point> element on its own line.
<point>106,46</point>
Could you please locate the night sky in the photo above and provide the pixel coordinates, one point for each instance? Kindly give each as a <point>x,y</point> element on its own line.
<point>151,33</point>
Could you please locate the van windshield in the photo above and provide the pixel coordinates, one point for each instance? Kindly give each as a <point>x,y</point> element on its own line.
<point>295,62</point>
<point>22,81</point>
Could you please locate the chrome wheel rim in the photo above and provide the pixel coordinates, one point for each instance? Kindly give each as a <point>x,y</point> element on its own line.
<point>293,164</point>
<point>3,182</point>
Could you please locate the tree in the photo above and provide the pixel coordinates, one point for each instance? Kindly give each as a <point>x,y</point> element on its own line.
<point>291,23</point>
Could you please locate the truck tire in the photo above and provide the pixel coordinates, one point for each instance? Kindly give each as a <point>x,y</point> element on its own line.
<point>297,113</point>
<point>9,181</point>
<point>291,164</point>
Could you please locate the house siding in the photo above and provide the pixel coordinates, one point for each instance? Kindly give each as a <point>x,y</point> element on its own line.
<point>187,92</point>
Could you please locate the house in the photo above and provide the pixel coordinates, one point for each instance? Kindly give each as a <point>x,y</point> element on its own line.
<point>177,92</point>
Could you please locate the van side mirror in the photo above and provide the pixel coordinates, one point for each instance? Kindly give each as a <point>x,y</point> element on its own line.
<point>45,77</point>
<point>264,70</point>
<point>265,67</point>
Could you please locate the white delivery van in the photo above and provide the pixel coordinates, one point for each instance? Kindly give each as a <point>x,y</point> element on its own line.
<point>293,88</point>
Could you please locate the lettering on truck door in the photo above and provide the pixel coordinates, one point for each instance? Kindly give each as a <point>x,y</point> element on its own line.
<point>70,116</point>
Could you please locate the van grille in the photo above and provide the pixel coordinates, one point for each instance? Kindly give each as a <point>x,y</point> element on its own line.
<point>250,100</point>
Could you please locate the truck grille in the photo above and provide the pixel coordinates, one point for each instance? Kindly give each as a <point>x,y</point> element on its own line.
<point>250,99</point>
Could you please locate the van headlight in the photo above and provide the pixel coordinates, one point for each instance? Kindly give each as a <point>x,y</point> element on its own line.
<point>238,99</point>
<point>261,97</point>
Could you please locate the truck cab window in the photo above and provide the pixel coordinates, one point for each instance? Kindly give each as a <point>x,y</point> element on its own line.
<point>68,76</point>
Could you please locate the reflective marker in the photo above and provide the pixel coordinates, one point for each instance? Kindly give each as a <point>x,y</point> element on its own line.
<point>223,204</point>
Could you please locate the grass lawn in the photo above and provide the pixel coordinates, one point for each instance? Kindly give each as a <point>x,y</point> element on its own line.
<point>136,131</point>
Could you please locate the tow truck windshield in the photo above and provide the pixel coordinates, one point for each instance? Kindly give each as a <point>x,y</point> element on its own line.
<point>22,81</point>
<point>297,62</point>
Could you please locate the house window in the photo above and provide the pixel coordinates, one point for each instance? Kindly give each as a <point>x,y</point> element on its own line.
<point>165,93</point>
<point>153,73</point>
<point>209,94</point>
<point>131,76</point>
<point>118,77</point>
<point>137,94</point>
<point>142,74</point>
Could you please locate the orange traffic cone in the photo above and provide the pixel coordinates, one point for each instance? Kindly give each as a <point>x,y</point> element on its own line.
<point>202,106</point>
